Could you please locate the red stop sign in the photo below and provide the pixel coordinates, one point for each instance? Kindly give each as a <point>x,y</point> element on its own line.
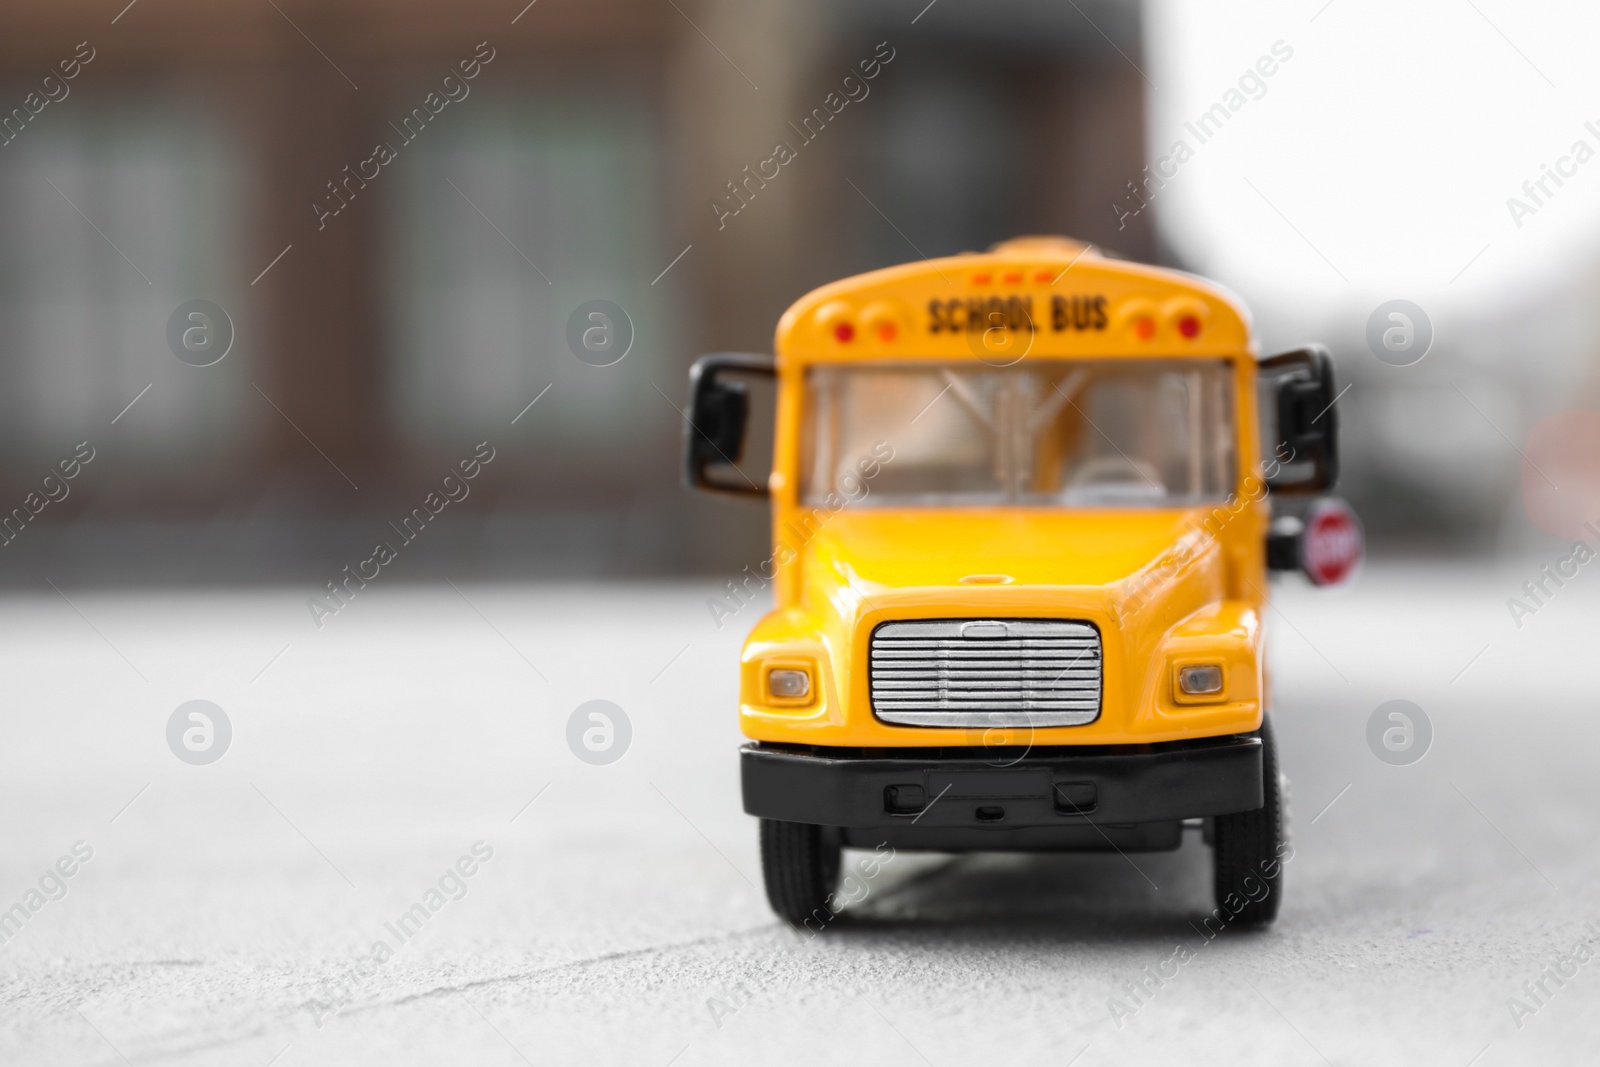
<point>1332,544</point>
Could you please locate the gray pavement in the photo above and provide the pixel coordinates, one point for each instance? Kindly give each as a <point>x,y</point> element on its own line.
<point>617,918</point>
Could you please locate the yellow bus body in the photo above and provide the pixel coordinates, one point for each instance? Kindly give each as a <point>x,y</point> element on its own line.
<point>1166,587</point>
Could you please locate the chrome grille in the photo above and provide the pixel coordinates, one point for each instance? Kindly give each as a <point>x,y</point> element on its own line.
<point>986,672</point>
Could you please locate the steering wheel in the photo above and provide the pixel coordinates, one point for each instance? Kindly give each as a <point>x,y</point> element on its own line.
<point>1115,470</point>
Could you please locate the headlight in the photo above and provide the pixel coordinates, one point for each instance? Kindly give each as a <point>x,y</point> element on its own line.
<point>788,684</point>
<point>1202,680</point>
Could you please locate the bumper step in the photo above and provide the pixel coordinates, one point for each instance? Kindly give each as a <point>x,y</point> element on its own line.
<point>1030,802</point>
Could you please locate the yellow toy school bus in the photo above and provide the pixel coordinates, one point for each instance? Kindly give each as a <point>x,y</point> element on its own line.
<point>1021,531</point>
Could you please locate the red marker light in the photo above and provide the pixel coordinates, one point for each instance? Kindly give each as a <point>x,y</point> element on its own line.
<point>887,331</point>
<point>1189,326</point>
<point>844,333</point>
<point>1144,327</point>
<point>1044,277</point>
<point>981,279</point>
<point>1014,277</point>
<point>1332,545</point>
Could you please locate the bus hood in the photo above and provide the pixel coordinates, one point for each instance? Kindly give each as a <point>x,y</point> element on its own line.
<point>897,549</point>
<point>1154,583</point>
<point>866,566</point>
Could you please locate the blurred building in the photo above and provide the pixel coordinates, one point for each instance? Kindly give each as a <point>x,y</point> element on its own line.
<point>390,313</point>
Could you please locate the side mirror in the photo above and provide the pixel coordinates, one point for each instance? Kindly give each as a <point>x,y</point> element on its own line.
<point>1304,441</point>
<point>719,412</point>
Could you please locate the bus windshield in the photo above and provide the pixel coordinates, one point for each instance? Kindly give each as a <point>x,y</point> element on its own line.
<point>1065,433</point>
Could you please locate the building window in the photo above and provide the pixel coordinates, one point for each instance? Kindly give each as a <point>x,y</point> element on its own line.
<point>111,218</point>
<point>502,224</point>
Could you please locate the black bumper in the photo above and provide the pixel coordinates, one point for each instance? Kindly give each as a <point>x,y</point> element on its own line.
<point>1125,797</point>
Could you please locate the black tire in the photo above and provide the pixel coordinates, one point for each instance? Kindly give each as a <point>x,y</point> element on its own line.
<point>1246,850</point>
<point>800,864</point>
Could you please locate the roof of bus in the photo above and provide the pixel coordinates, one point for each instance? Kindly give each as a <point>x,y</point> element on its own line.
<point>1038,296</point>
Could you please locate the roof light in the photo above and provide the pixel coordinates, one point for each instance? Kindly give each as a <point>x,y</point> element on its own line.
<point>1144,327</point>
<point>844,332</point>
<point>881,321</point>
<point>1185,316</point>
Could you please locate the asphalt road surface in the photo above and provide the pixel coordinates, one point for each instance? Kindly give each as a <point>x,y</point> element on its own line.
<point>228,913</point>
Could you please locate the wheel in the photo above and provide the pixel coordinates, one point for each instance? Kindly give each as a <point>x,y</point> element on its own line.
<point>800,864</point>
<point>1247,850</point>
